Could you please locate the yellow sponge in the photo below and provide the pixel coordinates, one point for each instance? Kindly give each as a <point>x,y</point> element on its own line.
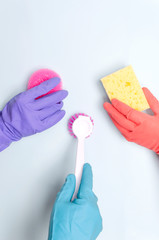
<point>124,86</point>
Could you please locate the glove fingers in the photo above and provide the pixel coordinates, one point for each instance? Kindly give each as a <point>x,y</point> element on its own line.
<point>53,119</point>
<point>130,113</point>
<point>49,100</point>
<point>152,101</point>
<point>123,131</point>
<point>85,189</point>
<point>119,117</point>
<point>46,112</point>
<point>42,88</point>
<point>68,189</point>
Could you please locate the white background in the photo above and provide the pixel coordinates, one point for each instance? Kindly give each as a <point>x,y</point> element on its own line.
<point>83,41</point>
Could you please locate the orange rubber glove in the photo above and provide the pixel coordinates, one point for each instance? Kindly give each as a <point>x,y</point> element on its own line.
<point>136,126</point>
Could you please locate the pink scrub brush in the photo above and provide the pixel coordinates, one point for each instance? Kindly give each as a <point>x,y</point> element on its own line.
<point>80,126</point>
<point>42,75</point>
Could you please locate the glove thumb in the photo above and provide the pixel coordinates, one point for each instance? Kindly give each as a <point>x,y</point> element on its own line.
<point>152,101</point>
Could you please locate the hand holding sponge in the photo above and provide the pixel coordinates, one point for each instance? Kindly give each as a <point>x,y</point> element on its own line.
<point>134,125</point>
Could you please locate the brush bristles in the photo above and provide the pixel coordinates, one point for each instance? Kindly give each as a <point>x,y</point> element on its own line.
<point>73,118</point>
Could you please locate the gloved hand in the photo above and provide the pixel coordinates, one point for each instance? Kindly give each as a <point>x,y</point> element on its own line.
<point>136,126</point>
<point>80,219</point>
<point>24,115</point>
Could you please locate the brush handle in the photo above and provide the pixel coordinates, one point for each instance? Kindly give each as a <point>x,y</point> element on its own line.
<point>79,165</point>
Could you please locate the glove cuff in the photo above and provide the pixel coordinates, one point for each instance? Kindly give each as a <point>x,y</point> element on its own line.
<point>5,141</point>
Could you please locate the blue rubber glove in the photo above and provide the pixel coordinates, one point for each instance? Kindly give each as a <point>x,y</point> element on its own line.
<point>80,219</point>
<point>24,115</point>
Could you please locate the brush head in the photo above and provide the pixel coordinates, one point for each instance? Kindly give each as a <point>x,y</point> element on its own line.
<point>80,125</point>
<point>42,75</point>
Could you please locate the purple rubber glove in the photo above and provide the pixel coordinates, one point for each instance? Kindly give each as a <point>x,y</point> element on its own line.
<point>24,115</point>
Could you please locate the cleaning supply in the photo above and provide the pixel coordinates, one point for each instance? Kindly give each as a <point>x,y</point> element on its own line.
<point>79,219</point>
<point>136,126</point>
<point>24,115</point>
<point>124,86</point>
<point>43,75</point>
<point>80,126</point>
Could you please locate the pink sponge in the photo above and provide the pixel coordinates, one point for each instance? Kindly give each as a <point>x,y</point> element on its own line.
<point>42,75</point>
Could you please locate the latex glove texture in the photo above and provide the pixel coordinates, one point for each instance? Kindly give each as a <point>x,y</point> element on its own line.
<point>79,219</point>
<point>25,115</point>
<point>136,126</point>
